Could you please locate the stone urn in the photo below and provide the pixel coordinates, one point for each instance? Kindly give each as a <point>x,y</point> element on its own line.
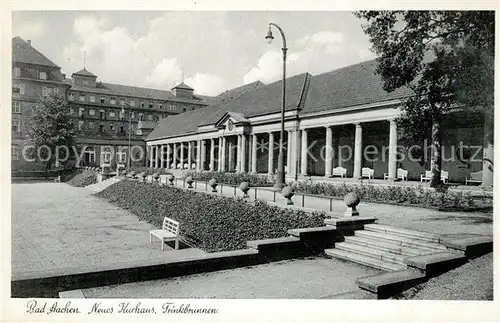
<point>143,176</point>
<point>288,192</point>
<point>189,181</point>
<point>132,174</point>
<point>351,200</point>
<point>171,179</point>
<point>244,187</point>
<point>124,173</point>
<point>213,184</point>
<point>156,176</point>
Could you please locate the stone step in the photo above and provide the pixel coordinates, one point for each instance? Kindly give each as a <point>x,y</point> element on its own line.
<point>364,260</point>
<point>408,242</point>
<point>371,252</point>
<point>387,246</point>
<point>429,237</point>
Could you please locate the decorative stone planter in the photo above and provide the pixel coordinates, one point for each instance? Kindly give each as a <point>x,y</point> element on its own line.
<point>213,184</point>
<point>124,173</point>
<point>351,200</point>
<point>189,181</point>
<point>244,187</point>
<point>143,176</point>
<point>156,176</point>
<point>171,179</point>
<point>288,192</point>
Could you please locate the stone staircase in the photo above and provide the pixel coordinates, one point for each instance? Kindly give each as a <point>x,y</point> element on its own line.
<point>99,186</point>
<point>384,247</point>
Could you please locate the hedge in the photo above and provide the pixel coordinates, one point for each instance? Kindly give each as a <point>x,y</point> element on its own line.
<point>148,170</point>
<point>212,223</point>
<point>84,178</point>
<point>418,196</point>
<point>233,178</point>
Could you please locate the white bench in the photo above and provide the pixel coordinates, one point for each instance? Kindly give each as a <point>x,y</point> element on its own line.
<point>168,232</point>
<point>475,177</point>
<point>400,173</point>
<point>339,171</point>
<point>428,175</point>
<point>367,172</point>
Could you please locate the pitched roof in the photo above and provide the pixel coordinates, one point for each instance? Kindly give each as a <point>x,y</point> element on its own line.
<point>84,72</point>
<point>183,86</point>
<point>25,53</point>
<point>349,86</point>
<point>233,93</point>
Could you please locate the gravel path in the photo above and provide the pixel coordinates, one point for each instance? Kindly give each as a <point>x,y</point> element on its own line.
<point>472,281</point>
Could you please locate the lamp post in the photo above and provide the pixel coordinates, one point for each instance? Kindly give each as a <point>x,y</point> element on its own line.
<point>129,152</point>
<point>280,177</point>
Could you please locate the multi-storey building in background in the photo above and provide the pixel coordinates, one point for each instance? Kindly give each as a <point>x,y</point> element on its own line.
<point>107,118</point>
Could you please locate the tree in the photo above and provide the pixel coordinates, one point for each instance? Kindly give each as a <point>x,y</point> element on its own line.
<point>49,127</point>
<point>447,59</point>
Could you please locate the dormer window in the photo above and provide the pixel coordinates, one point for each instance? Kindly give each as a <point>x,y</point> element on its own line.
<point>112,101</point>
<point>151,105</point>
<point>132,103</point>
<point>142,104</point>
<point>42,75</point>
<point>17,71</point>
<point>103,100</point>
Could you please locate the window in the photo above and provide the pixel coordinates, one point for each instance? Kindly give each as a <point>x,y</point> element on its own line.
<point>71,110</point>
<point>121,156</point>
<point>16,152</point>
<point>101,128</point>
<point>18,88</point>
<point>103,100</point>
<point>151,105</point>
<point>171,106</point>
<point>142,104</point>
<point>16,107</point>
<point>42,75</point>
<point>112,101</point>
<point>150,117</point>
<point>91,112</point>
<point>184,109</point>
<point>16,126</point>
<point>122,130</point>
<point>91,125</point>
<point>112,114</point>
<point>141,117</point>
<point>71,97</point>
<point>132,103</point>
<point>81,123</point>
<point>17,71</point>
<point>122,101</point>
<point>48,90</point>
<point>85,82</point>
<point>132,115</point>
<point>160,105</point>
<point>81,111</point>
<point>89,155</point>
<point>92,98</point>
<point>82,97</point>
<point>111,127</point>
<point>102,115</point>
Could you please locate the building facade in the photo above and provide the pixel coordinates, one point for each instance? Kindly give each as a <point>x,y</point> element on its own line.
<point>107,118</point>
<point>340,123</point>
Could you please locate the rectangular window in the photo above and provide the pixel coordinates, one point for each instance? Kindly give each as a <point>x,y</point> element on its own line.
<point>16,126</point>
<point>81,111</point>
<point>81,123</point>
<point>82,97</point>
<point>150,117</point>
<point>85,82</point>
<point>112,114</point>
<point>16,152</point>
<point>103,100</point>
<point>132,103</point>
<point>91,125</point>
<point>18,88</point>
<point>42,75</point>
<point>142,104</point>
<point>112,101</point>
<point>111,127</point>
<point>16,107</point>
<point>102,115</point>
<point>71,110</point>
<point>92,98</point>
<point>160,106</point>
<point>132,115</point>
<point>141,117</point>
<point>91,112</point>
<point>71,97</point>
<point>17,71</point>
<point>150,105</point>
<point>171,106</point>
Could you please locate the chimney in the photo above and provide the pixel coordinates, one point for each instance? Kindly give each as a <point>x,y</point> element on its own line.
<point>29,42</point>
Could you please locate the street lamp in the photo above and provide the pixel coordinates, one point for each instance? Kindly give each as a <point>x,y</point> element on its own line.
<point>129,152</point>
<point>280,178</point>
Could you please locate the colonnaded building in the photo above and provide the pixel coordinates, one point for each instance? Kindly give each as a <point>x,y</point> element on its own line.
<point>346,109</point>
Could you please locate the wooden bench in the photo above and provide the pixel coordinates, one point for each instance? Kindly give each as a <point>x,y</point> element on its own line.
<point>339,171</point>
<point>168,232</point>
<point>475,177</point>
<point>367,172</point>
<point>428,175</point>
<point>400,173</point>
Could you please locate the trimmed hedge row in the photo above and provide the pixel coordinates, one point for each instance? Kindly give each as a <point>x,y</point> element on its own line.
<point>213,223</point>
<point>233,178</point>
<point>147,170</point>
<point>398,194</point>
<point>84,178</point>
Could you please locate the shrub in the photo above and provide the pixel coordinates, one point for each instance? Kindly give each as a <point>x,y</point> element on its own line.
<point>84,178</point>
<point>147,170</point>
<point>233,178</point>
<point>213,223</point>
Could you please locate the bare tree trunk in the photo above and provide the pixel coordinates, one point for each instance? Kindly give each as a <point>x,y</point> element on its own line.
<point>488,147</point>
<point>436,157</point>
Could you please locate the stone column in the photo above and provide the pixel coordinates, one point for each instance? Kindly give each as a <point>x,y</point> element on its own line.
<point>150,157</point>
<point>182,156</point>
<point>303,153</point>
<point>393,143</point>
<point>289,152</point>
<point>270,161</point>
<point>162,156</point>
<point>223,154</point>
<point>358,150</point>
<point>190,160</point>
<point>328,152</point>
<point>254,153</point>
<point>197,150</point>
<point>174,161</point>
<point>169,156</point>
<point>238,154</point>
<point>243,158</point>
<point>158,156</point>
<point>203,156</point>
<point>212,154</point>
<point>230,156</point>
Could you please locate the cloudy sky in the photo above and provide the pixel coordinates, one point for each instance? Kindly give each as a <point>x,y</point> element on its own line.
<point>215,51</point>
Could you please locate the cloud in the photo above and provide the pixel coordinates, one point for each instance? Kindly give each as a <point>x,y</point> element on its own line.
<point>267,69</point>
<point>207,84</point>
<point>31,31</point>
